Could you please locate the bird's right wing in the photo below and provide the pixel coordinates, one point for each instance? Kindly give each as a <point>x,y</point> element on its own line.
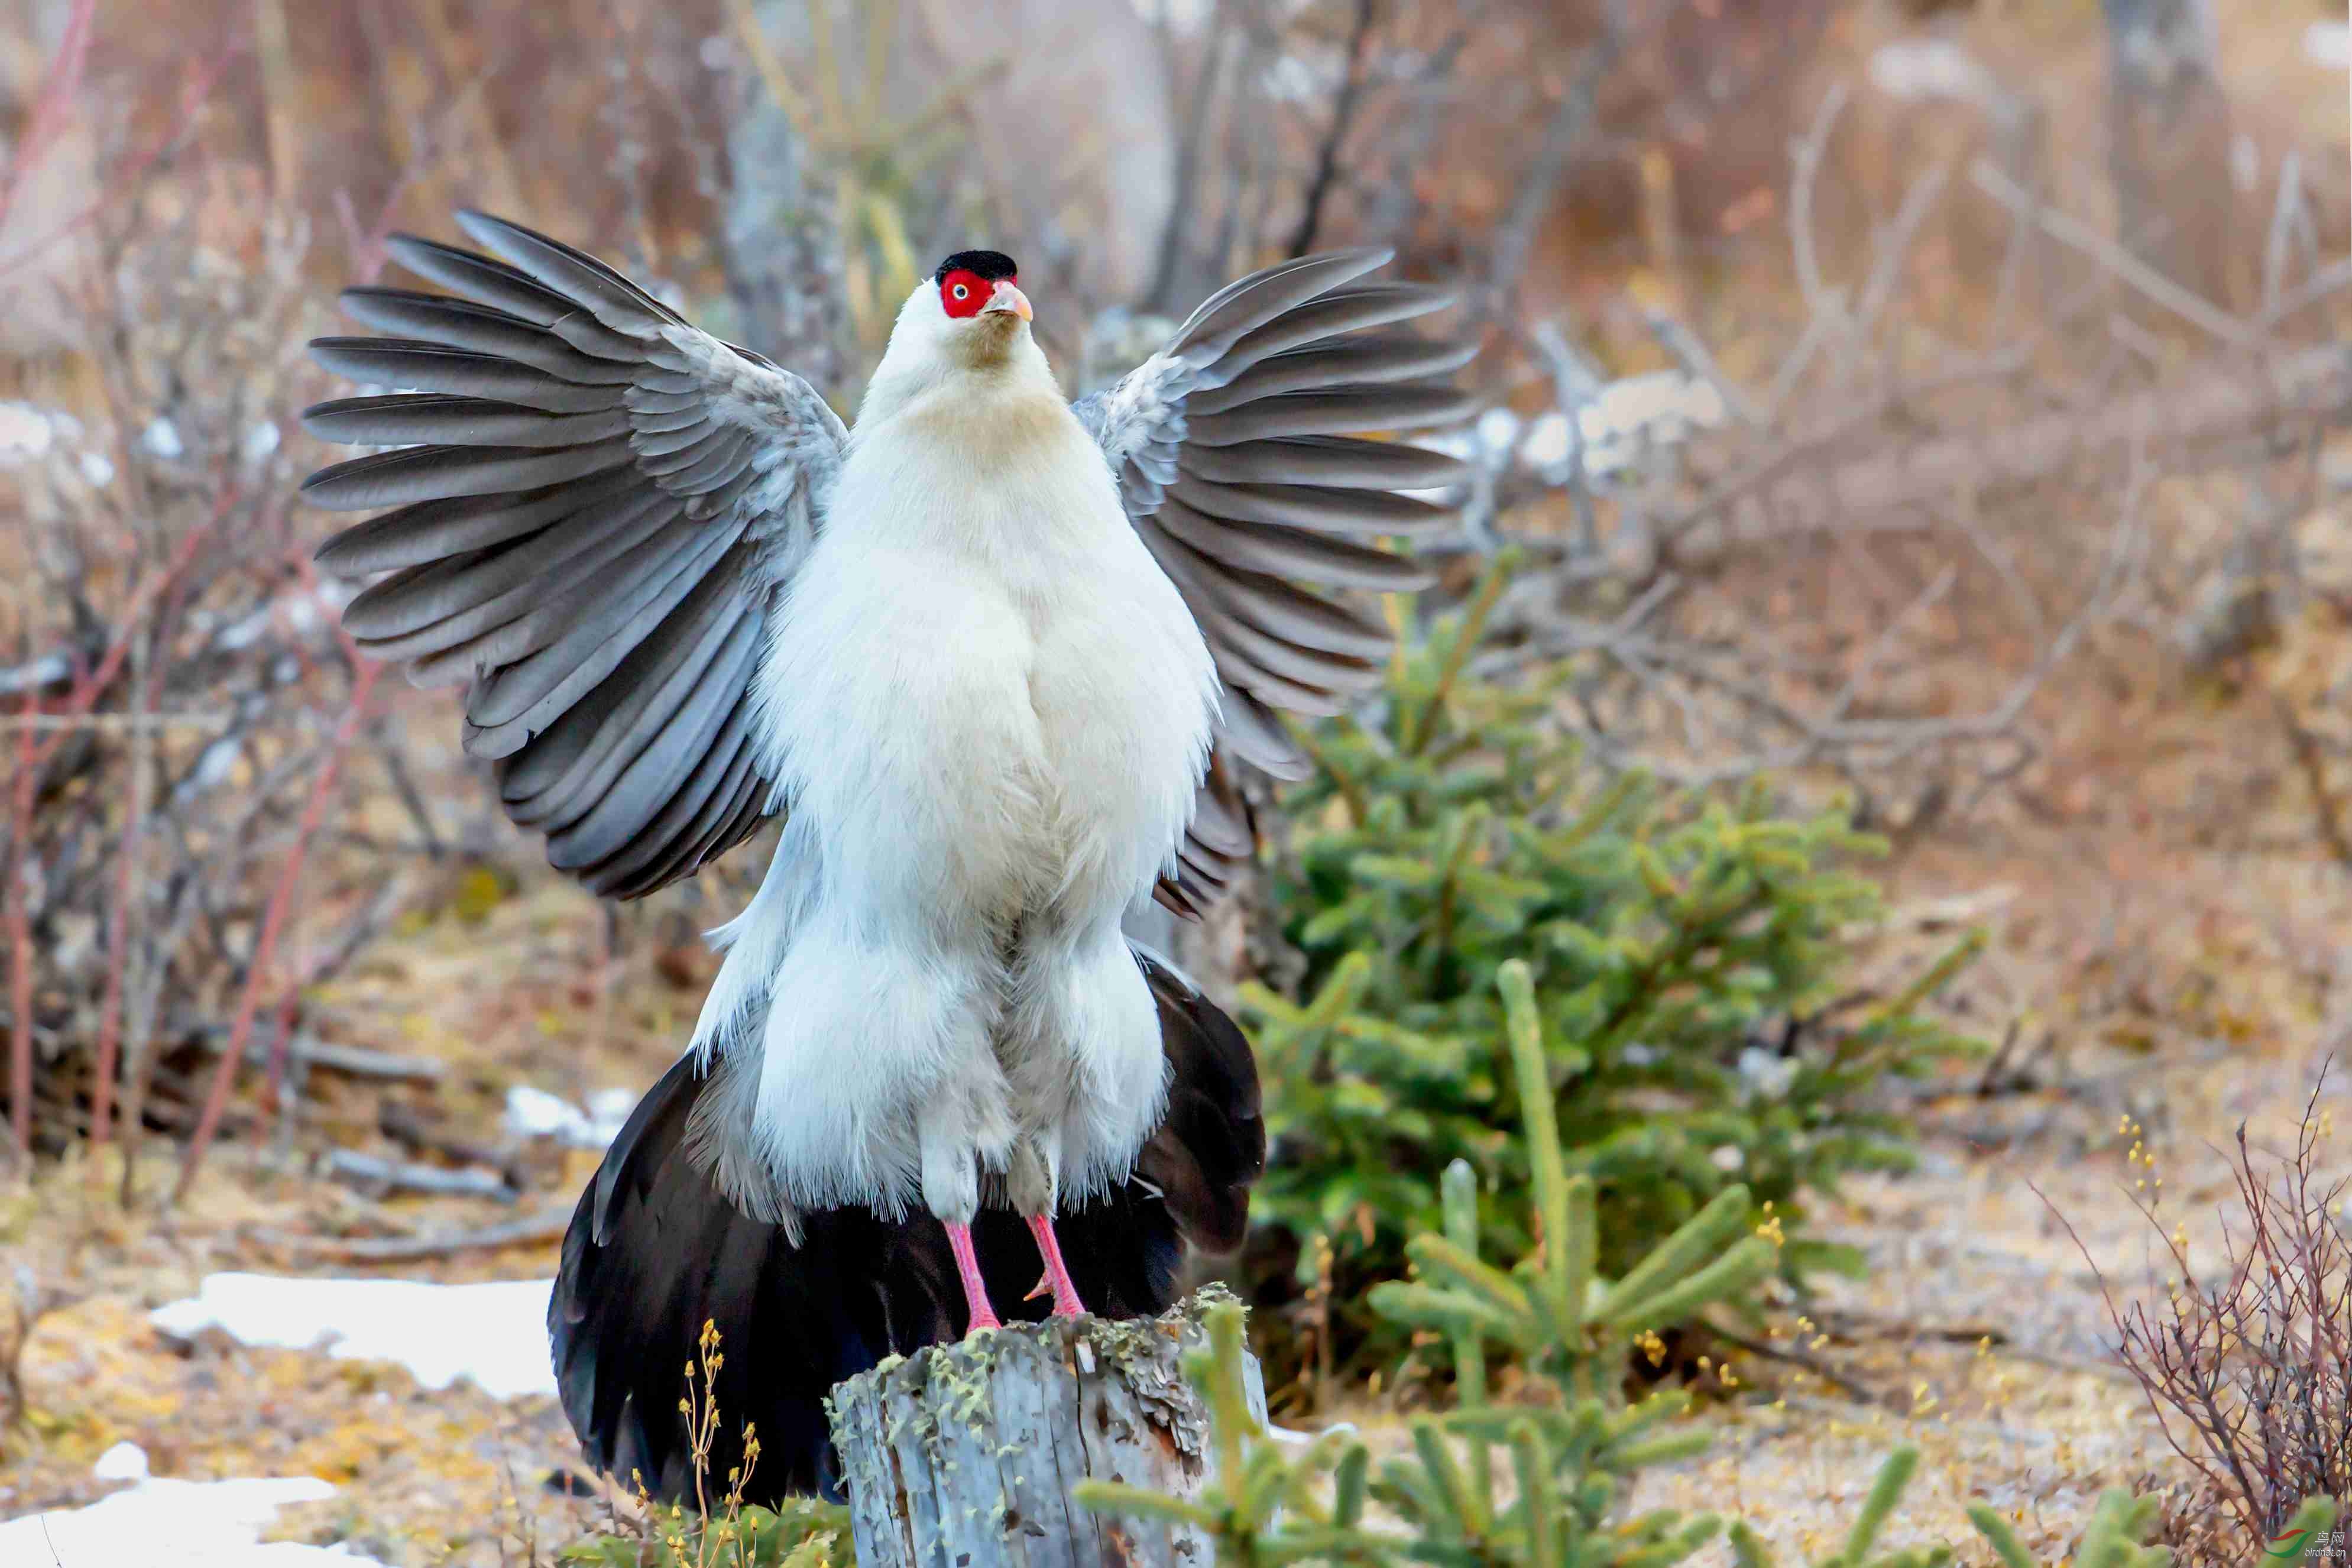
<point>597,507</point>
<point>1240,465</point>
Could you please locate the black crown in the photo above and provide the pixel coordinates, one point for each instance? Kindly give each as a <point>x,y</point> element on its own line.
<point>989,265</point>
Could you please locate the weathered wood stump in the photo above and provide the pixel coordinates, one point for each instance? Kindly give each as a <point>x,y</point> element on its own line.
<point>964,1456</point>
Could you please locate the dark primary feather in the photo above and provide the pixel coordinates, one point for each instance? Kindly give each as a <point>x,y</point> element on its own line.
<point>595,510</point>
<point>653,1251</point>
<point>1241,466</point>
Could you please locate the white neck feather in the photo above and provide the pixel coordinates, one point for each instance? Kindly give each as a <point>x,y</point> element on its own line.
<point>928,353</point>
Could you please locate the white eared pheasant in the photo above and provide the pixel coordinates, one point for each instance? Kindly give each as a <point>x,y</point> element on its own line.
<point>993,655</point>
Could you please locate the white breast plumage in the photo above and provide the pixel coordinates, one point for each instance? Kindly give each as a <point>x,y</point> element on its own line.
<point>980,596</point>
<point>997,711</point>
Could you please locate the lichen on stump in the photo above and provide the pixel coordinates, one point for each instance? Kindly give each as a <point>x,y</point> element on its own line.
<point>966,1455</point>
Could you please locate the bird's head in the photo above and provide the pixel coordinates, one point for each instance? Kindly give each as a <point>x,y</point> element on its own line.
<point>972,310</point>
<point>968,316</point>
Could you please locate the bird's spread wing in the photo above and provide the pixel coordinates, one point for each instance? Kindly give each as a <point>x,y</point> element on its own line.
<point>1240,464</point>
<point>597,506</point>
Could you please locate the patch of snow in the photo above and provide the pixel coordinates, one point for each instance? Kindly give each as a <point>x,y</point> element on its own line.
<point>46,670</point>
<point>1616,425</point>
<point>25,432</point>
<point>175,1524</point>
<point>1768,1074</point>
<point>1181,17</point>
<point>1291,79</point>
<point>1917,68</point>
<point>1498,429</point>
<point>494,1336</point>
<point>2245,163</point>
<point>1665,405</point>
<point>609,1109</point>
<point>1919,71</point>
<point>97,470</point>
<point>215,765</point>
<point>2328,44</point>
<point>535,1113</point>
<point>1291,1439</point>
<point>124,1462</point>
<point>162,439</point>
<point>260,442</point>
<point>244,633</point>
<point>1547,443</point>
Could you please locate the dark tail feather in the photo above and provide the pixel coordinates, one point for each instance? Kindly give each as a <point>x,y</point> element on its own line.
<point>653,1252</point>
<point>1209,1146</point>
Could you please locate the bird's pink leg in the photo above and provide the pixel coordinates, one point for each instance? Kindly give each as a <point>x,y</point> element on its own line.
<point>1066,1294</point>
<point>975,1292</point>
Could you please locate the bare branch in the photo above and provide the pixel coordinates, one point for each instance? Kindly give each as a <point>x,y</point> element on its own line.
<point>2127,268</point>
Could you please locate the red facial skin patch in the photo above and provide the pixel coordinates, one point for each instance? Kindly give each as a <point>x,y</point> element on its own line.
<point>963,293</point>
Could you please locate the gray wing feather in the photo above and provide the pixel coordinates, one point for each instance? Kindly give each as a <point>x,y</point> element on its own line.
<point>597,507</point>
<point>1240,461</point>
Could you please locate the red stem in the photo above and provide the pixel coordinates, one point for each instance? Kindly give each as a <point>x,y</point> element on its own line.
<point>57,89</point>
<point>117,179</point>
<point>118,942</point>
<point>281,899</point>
<point>20,937</point>
<point>309,572</point>
<point>86,690</point>
<point>83,697</point>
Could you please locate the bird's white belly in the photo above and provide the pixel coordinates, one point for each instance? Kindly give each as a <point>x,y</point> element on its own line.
<point>973,751</point>
<point>990,711</point>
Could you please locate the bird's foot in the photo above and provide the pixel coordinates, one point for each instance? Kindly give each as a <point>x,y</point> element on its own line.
<point>1057,1275</point>
<point>975,1291</point>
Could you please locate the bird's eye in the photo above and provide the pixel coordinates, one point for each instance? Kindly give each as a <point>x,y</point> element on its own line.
<point>961,292</point>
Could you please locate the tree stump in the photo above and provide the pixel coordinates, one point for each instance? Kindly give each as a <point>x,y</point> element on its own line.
<point>965,1454</point>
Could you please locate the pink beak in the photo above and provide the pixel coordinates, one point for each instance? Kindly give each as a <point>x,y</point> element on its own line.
<point>1008,298</point>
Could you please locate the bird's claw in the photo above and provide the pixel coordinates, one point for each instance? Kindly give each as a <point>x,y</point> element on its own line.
<point>1057,1274</point>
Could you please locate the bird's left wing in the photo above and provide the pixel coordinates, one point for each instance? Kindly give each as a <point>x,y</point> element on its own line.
<point>597,507</point>
<point>1240,463</point>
